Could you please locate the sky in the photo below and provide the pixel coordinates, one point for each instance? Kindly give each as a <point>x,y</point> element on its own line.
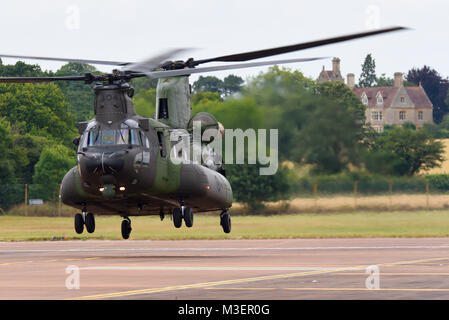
<point>133,30</point>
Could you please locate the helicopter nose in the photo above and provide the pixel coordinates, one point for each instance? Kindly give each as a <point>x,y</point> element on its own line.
<point>104,163</point>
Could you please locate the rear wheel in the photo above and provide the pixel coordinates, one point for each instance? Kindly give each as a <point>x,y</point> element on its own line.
<point>126,228</point>
<point>90,222</point>
<point>177,217</point>
<point>188,217</point>
<point>225,222</point>
<point>79,223</point>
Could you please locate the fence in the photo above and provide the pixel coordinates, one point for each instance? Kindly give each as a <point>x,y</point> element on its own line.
<point>311,194</point>
<point>30,199</point>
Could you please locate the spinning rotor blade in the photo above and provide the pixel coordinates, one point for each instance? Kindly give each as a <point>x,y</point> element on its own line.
<point>84,61</point>
<point>40,79</point>
<point>154,62</point>
<point>188,71</point>
<point>296,47</point>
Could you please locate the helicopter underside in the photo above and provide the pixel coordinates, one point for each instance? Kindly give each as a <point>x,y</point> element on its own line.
<point>217,196</point>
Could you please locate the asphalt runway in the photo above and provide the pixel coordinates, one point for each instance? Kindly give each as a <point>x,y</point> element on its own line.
<point>226,269</point>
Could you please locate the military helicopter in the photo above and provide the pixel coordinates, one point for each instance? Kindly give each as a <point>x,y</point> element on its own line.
<point>123,159</point>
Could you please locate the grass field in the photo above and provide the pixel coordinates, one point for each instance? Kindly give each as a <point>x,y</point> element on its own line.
<point>315,225</point>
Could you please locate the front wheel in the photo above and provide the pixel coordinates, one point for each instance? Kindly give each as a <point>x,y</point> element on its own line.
<point>79,223</point>
<point>90,222</point>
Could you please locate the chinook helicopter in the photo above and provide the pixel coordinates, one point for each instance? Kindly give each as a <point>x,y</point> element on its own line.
<point>123,159</point>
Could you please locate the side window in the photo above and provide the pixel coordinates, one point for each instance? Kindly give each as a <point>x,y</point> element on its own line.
<point>160,137</point>
<point>163,108</point>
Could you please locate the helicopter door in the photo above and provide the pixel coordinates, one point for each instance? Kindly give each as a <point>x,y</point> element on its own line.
<point>162,163</point>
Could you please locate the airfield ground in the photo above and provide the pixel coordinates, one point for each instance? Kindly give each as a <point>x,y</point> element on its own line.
<point>226,269</point>
<point>315,225</point>
<point>410,250</point>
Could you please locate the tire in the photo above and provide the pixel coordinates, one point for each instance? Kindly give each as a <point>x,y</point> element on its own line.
<point>126,229</point>
<point>188,217</point>
<point>79,223</point>
<point>225,221</point>
<point>90,222</point>
<point>177,217</point>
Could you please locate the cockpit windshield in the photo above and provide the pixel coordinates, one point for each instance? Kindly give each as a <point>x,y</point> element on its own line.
<point>113,137</point>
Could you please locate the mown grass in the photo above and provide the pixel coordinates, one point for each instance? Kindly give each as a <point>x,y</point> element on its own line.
<point>305,225</point>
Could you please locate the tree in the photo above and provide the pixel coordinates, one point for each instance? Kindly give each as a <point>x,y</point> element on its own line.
<point>38,109</point>
<point>435,86</point>
<point>79,95</point>
<point>368,76</point>
<point>253,189</point>
<point>11,160</point>
<point>406,151</point>
<point>145,102</point>
<point>143,83</point>
<point>53,164</point>
<point>384,81</point>
<point>232,84</point>
<point>204,97</point>
<point>29,147</point>
<point>209,83</point>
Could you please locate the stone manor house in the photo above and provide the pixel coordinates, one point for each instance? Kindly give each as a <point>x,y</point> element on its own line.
<point>386,105</point>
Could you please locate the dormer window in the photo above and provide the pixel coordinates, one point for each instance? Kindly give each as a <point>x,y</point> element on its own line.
<point>402,99</point>
<point>364,99</point>
<point>380,99</point>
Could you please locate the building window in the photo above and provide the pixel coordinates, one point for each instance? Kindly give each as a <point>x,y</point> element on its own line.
<point>364,99</point>
<point>402,99</point>
<point>379,98</point>
<point>420,115</point>
<point>401,115</point>
<point>376,115</point>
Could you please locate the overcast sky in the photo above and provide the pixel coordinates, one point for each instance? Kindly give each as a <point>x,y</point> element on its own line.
<point>131,30</point>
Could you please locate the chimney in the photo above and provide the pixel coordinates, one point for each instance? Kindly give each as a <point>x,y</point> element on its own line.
<point>336,65</point>
<point>398,80</point>
<point>351,80</point>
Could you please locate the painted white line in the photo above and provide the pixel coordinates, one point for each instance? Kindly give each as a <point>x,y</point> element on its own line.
<point>227,249</point>
<point>187,268</point>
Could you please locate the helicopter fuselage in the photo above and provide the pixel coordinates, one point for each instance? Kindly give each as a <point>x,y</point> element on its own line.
<point>124,162</point>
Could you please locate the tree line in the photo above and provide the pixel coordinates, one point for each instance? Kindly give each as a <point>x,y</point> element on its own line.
<point>321,128</point>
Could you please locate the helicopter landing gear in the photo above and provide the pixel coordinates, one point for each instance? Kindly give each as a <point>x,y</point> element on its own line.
<point>188,217</point>
<point>89,221</point>
<point>84,219</point>
<point>225,221</point>
<point>185,214</point>
<point>79,223</point>
<point>126,228</point>
<point>177,217</point>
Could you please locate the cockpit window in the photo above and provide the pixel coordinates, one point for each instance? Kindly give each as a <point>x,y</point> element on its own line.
<point>113,137</point>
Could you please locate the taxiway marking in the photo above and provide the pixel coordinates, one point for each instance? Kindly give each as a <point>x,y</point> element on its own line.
<point>244,280</point>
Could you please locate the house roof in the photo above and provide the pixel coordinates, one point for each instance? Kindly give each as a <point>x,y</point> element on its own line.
<point>419,97</point>
<point>416,94</point>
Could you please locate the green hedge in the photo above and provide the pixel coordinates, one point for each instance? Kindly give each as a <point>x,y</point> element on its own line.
<point>368,184</point>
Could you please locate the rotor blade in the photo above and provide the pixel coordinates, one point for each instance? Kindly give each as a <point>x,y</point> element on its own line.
<point>296,47</point>
<point>40,79</point>
<point>152,63</point>
<point>188,71</point>
<point>84,61</point>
